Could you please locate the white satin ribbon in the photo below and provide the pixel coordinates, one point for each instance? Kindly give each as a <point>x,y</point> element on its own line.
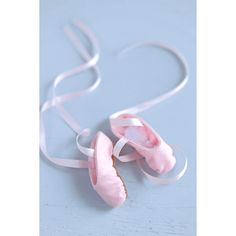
<point>150,103</point>
<point>144,106</point>
<point>57,101</point>
<point>91,63</point>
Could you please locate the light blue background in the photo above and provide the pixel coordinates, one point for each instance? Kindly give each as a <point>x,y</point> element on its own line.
<point>69,206</point>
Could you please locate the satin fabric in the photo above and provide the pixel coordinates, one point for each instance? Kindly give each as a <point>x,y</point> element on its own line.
<point>103,175</point>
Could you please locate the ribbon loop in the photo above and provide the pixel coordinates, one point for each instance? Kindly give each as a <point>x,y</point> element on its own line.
<point>86,151</point>
<point>166,180</point>
<point>150,103</point>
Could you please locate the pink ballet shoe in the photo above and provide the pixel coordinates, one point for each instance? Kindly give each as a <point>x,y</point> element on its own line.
<point>143,138</point>
<point>103,174</point>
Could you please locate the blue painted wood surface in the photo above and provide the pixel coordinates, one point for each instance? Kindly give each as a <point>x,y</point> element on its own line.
<point>69,206</point>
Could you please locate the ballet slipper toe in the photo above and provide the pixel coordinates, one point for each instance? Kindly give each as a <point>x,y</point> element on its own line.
<point>103,175</point>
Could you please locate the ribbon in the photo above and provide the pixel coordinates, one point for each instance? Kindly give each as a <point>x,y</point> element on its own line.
<point>91,63</point>
<point>57,101</point>
<point>147,105</point>
<point>154,101</point>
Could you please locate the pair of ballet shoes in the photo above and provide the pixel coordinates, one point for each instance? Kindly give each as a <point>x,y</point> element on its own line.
<point>139,135</point>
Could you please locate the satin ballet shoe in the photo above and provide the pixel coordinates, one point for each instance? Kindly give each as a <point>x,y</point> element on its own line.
<point>103,174</point>
<point>144,139</point>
